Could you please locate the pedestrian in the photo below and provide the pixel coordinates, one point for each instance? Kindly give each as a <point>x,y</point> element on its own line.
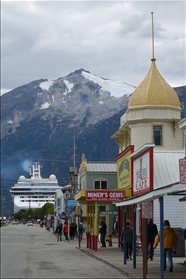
<point>81,230</point>
<point>58,231</point>
<point>116,228</point>
<point>129,240</point>
<point>152,231</point>
<point>53,226</point>
<point>170,242</point>
<point>103,232</point>
<point>66,230</point>
<point>72,231</point>
<point>75,229</point>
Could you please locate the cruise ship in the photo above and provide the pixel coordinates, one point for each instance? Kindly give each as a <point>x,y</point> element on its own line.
<point>33,192</point>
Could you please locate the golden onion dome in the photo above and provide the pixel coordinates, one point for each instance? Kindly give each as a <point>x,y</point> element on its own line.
<point>154,91</point>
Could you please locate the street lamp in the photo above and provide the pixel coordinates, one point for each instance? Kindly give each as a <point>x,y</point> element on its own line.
<point>29,203</point>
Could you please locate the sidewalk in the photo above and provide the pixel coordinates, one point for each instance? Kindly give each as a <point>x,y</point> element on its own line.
<point>114,257</point>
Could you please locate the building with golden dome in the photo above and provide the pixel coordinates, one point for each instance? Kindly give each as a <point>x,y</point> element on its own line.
<point>151,122</point>
<point>152,115</point>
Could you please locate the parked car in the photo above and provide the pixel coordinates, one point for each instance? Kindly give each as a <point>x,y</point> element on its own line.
<point>29,223</point>
<point>15,222</point>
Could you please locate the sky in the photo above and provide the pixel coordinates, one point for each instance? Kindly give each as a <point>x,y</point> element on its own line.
<point>111,39</point>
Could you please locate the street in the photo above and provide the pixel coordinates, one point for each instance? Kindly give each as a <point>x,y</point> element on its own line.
<point>33,252</point>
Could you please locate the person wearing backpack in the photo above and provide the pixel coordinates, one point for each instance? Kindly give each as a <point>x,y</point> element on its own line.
<point>81,230</point>
<point>170,243</point>
<point>152,232</point>
<point>58,231</point>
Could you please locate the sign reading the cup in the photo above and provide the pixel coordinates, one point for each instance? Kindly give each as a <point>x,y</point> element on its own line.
<point>105,195</point>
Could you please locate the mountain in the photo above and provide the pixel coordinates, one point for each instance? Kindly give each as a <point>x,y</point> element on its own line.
<point>43,121</point>
<point>78,97</point>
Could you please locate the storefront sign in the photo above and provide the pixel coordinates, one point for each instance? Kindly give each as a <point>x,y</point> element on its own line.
<point>182,167</point>
<point>104,195</point>
<point>141,174</point>
<point>124,169</point>
<point>108,213</point>
<point>147,210</point>
<point>72,203</point>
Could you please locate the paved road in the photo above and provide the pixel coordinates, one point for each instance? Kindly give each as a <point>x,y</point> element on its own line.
<point>33,252</point>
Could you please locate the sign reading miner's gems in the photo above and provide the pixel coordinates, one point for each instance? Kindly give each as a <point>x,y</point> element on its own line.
<point>105,195</point>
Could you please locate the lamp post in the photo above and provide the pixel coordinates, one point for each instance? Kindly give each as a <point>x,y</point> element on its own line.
<point>29,203</point>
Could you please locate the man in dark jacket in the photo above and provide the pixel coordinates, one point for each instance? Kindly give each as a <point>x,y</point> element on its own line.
<point>129,239</point>
<point>103,232</point>
<point>152,231</point>
<point>59,230</point>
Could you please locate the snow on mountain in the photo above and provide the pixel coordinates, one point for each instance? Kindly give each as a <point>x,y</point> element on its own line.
<point>4,91</point>
<point>68,85</point>
<point>116,88</point>
<point>45,105</point>
<point>46,84</point>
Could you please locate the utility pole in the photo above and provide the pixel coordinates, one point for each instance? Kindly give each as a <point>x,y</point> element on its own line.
<point>74,148</point>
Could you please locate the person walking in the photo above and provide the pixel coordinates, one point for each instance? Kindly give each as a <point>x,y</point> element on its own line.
<point>152,231</point>
<point>53,226</point>
<point>116,228</point>
<point>81,230</point>
<point>66,230</point>
<point>58,230</point>
<point>103,232</point>
<point>170,242</point>
<point>129,239</point>
<point>71,231</point>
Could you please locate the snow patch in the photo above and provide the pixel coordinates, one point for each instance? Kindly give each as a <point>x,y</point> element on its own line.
<point>116,88</point>
<point>68,85</point>
<point>101,102</point>
<point>4,91</point>
<point>46,84</point>
<point>45,105</point>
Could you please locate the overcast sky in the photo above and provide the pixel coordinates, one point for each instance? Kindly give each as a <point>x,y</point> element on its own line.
<point>112,39</point>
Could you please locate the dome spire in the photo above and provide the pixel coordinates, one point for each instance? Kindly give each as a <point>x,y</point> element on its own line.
<point>154,91</point>
<point>153,59</point>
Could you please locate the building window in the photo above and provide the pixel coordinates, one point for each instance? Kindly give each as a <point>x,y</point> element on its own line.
<point>100,184</point>
<point>102,208</point>
<point>157,135</point>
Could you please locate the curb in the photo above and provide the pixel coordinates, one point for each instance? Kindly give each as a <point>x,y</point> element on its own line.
<point>105,262</point>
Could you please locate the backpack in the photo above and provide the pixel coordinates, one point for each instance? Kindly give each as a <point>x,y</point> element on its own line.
<point>81,228</point>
